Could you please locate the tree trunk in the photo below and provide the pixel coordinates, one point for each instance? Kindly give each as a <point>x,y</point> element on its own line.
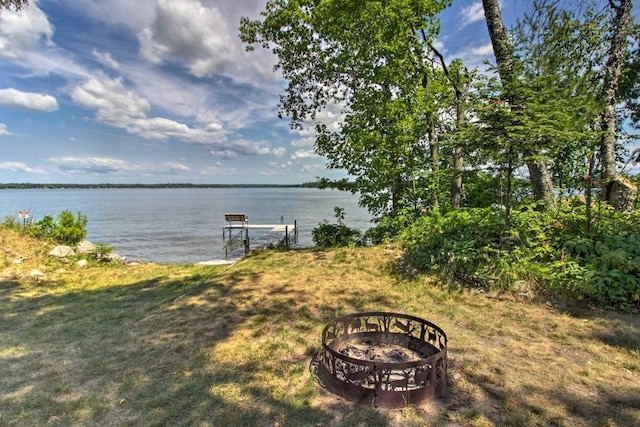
<point>461,87</point>
<point>456,181</point>
<point>458,156</point>
<point>611,183</point>
<point>435,165</point>
<point>541,182</point>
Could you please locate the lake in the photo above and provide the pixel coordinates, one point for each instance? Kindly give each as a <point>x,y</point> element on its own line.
<point>183,225</point>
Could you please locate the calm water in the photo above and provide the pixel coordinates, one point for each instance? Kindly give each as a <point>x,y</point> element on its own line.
<point>183,225</point>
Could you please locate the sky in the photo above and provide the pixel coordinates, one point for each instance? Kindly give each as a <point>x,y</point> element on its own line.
<point>159,91</point>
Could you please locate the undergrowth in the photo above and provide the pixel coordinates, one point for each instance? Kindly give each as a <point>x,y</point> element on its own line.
<point>558,252</point>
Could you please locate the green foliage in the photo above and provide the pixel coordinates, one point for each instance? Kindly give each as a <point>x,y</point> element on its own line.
<point>389,226</point>
<point>66,228</point>
<point>101,251</point>
<point>369,59</point>
<point>550,250</point>
<point>327,235</point>
<point>11,223</point>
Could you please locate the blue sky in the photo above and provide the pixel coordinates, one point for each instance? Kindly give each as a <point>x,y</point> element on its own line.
<point>156,91</point>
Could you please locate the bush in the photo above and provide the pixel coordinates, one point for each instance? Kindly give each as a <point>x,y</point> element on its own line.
<point>466,245</point>
<point>549,249</point>
<point>336,235</point>
<point>388,227</point>
<point>101,252</point>
<point>66,229</point>
<point>11,223</point>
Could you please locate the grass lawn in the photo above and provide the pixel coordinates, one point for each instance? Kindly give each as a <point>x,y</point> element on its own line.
<point>231,346</point>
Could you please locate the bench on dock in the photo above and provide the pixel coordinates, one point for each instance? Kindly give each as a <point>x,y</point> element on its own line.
<point>236,217</point>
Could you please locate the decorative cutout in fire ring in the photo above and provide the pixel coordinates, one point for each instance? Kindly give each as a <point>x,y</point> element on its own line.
<point>387,359</point>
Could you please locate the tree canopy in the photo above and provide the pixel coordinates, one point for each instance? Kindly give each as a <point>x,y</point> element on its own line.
<point>407,119</point>
<point>369,61</point>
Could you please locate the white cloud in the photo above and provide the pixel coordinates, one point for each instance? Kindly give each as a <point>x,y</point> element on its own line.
<point>279,152</point>
<point>173,167</point>
<point>217,169</point>
<point>3,129</point>
<point>23,31</point>
<point>304,142</point>
<point>131,14</point>
<point>210,121</point>
<point>313,167</point>
<point>99,165</point>
<point>476,56</point>
<point>105,59</point>
<point>224,154</point>
<point>167,91</point>
<point>158,128</point>
<point>472,13</point>
<point>231,149</point>
<point>203,39</point>
<point>28,100</point>
<point>115,105</point>
<point>484,50</point>
<point>109,166</point>
<point>19,167</point>
<point>304,154</point>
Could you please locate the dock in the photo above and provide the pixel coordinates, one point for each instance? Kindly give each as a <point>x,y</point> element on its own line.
<point>236,233</point>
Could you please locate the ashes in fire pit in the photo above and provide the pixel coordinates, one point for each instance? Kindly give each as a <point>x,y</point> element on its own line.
<point>389,359</point>
<point>387,353</point>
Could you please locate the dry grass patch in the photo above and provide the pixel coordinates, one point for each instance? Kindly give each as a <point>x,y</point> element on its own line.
<point>231,345</point>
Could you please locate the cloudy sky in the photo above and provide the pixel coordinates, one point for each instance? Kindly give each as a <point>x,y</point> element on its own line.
<point>155,91</point>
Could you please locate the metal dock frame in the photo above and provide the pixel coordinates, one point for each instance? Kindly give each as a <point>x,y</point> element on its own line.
<point>236,222</point>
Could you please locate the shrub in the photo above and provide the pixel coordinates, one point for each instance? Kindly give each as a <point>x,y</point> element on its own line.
<point>466,245</point>
<point>388,227</point>
<point>551,249</point>
<point>67,228</point>
<point>101,251</point>
<point>11,223</point>
<point>328,235</point>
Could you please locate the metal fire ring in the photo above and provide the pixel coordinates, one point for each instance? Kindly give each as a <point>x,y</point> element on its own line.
<point>386,359</point>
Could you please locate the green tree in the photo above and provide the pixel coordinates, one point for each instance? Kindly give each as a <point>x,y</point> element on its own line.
<point>507,66</point>
<point>66,228</point>
<point>371,59</point>
<point>559,70</point>
<point>13,4</point>
<point>559,55</point>
<point>629,90</point>
<point>618,192</point>
<point>71,229</point>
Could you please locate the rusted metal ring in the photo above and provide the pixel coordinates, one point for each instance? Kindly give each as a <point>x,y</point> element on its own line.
<point>386,359</point>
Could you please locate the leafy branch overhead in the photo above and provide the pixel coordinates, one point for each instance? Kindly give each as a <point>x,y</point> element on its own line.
<point>369,65</point>
<point>387,106</point>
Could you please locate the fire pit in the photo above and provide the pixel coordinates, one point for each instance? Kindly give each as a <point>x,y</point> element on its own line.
<point>388,359</point>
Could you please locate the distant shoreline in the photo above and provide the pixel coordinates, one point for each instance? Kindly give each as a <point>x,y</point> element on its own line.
<point>31,186</point>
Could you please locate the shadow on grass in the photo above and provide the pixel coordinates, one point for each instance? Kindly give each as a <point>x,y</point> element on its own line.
<point>529,405</point>
<point>615,329</point>
<point>141,354</point>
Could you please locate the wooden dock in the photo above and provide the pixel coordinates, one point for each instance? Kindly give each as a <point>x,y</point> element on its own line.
<point>236,234</point>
